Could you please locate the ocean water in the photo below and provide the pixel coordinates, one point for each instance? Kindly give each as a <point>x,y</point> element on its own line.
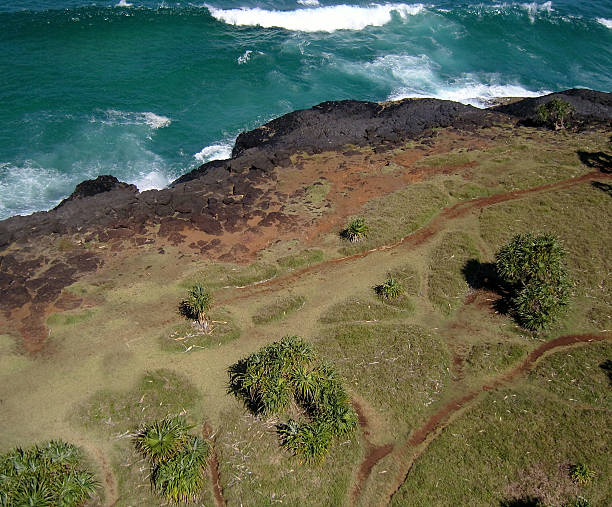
<point>147,90</point>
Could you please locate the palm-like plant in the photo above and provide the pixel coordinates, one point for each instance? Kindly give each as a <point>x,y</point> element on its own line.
<point>390,289</point>
<point>45,475</point>
<point>357,230</point>
<point>181,478</point>
<point>197,305</point>
<point>533,269</point>
<point>162,440</point>
<point>581,473</point>
<point>555,113</point>
<point>310,442</point>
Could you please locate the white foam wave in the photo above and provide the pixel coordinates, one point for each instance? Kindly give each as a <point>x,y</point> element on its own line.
<point>417,76</point>
<point>219,151</point>
<point>605,22</point>
<point>319,19</point>
<point>151,180</point>
<point>27,188</point>
<point>308,2</point>
<point>114,117</point>
<point>534,8</point>
<point>246,56</point>
<point>123,3</point>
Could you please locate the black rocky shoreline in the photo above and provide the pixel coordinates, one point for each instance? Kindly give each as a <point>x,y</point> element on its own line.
<point>217,196</point>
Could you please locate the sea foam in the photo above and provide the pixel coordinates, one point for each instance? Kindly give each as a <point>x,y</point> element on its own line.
<point>319,19</point>
<point>114,117</point>
<point>218,151</point>
<point>417,76</point>
<point>605,22</point>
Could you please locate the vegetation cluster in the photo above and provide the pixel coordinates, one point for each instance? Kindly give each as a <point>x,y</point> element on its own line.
<point>533,268</point>
<point>285,374</point>
<point>555,113</point>
<point>196,306</point>
<point>177,459</point>
<point>45,475</point>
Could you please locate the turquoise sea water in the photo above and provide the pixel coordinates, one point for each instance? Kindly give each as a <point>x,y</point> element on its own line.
<point>146,90</point>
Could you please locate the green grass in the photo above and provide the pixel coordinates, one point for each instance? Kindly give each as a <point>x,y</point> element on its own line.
<point>581,374</point>
<point>158,394</point>
<point>69,319</point>
<point>255,471</point>
<point>493,358</point>
<point>303,258</point>
<point>447,285</point>
<point>398,369</point>
<point>278,310</point>
<point>460,189</point>
<point>396,215</point>
<point>365,309</point>
<point>185,337</point>
<point>224,275</point>
<point>521,442</point>
<point>575,216</point>
<point>457,158</point>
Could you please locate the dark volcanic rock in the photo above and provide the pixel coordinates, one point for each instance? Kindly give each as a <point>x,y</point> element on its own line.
<point>89,188</point>
<point>217,195</point>
<point>591,106</point>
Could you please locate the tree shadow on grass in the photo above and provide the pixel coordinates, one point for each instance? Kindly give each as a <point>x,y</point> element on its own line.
<point>607,367</point>
<point>604,187</point>
<point>483,276</point>
<point>597,160</point>
<point>527,501</point>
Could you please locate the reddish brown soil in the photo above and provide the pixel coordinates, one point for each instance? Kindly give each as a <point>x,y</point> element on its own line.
<point>423,436</point>
<point>373,453</point>
<point>420,236</point>
<point>213,466</point>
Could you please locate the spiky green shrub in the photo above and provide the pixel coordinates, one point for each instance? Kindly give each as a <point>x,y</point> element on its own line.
<point>181,478</point>
<point>45,475</point>
<point>263,379</point>
<point>308,441</point>
<point>555,113</point>
<point>162,440</point>
<point>357,230</point>
<point>581,473</point>
<point>196,306</point>
<point>390,289</point>
<point>533,269</point>
<point>271,378</point>
<point>579,501</point>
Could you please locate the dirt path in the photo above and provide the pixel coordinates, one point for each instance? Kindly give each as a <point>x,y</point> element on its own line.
<point>213,466</point>
<point>111,491</point>
<point>423,436</point>
<point>418,237</point>
<point>374,453</point>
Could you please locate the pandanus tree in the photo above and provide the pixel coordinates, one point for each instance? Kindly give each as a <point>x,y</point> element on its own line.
<point>555,113</point>
<point>47,475</point>
<point>357,230</point>
<point>390,289</point>
<point>533,269</point>
<point>197,305</point>
<point>271,378</point>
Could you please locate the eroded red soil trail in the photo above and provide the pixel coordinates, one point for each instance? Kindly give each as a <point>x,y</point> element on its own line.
<point>213,466</point>
<point>421,235</point>
<point>374,453</point>
<point>423,436</point>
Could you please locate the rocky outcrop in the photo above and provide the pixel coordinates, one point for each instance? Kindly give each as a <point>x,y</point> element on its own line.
<point>221,195</point>
<point>590,106</point>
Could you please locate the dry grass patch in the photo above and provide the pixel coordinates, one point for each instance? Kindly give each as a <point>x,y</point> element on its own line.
<point>278,310</point>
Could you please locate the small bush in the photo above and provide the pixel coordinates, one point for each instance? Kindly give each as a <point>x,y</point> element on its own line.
<point>196,306</point>
<point>49,474</point>
<point>357,230</point>
<point>162,440</point>
<point>177,459</point>
<point>181,478</point>
<point>581,473</point>
<point>390,289</point>
<point>308,441</point>
<point>555,113</point>
<point>282,372</point>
